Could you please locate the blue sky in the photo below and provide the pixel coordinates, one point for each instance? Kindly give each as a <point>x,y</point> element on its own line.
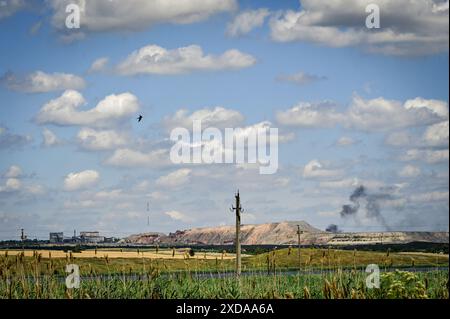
<point>373,111</point>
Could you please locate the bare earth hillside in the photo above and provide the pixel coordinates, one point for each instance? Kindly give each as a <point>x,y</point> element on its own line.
<point>282,233</point>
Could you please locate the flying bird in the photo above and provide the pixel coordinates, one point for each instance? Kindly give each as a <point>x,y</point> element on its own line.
<point>140,118</point>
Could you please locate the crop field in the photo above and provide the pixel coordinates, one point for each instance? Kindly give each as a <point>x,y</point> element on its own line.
<point>179,253</point>
<point>168,273</point>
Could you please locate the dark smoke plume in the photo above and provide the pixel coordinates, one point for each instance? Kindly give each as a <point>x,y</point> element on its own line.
<point>372,204</point>
<point>333,228</point>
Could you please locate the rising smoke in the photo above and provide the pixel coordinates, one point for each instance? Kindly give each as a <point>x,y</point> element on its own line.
<point>371,203</point>
<point>333,228</point>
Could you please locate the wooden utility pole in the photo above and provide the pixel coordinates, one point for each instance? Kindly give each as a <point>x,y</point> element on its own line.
<point>238,209</point>
<point>23,237</point>
<point>299,232</point>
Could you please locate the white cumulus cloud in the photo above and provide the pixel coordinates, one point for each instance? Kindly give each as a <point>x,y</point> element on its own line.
<point>153,59</point>
<point>41,82</point>
<point>409,171</point>
<point>111,110</point>
<point>377,114</point>
<point>311,115</point>
<point>94,140</point>
<point>13,172</point>
<point>134,15</point>
<point>81,180</point>
<point>301,78</point>
<point>175,179</point>
<point>13,183</point>
<point>429,156</point>
<point>345,141</point>
<point>99,65</point>
<point>430,196</point>
<point>316,169</point>
<point>246,21</point>
<point>49,138</point>
<point>437,134</point>
<point>176,215</point>
<point>406,27</point>
<point>125,157</point>
<point>218,116</point>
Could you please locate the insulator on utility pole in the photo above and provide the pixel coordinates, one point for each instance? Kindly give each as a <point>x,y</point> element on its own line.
<point>238,209</point>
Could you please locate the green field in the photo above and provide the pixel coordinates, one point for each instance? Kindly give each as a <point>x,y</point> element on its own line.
<point>325,273</point>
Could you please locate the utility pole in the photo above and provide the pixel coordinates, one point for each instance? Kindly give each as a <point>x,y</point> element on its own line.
<point>23,237</point>
<point>299,232</point>
<point>238,209</point>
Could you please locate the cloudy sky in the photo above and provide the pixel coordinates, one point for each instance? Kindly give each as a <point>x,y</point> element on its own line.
<point>354,106</point>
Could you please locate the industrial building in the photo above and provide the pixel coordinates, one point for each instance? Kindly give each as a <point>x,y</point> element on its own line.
<point>56,237</point>
<point>91,237</point>
<point>88,237</point>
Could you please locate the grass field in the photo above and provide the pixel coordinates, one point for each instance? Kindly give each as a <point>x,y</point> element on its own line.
<point>326,273</point>
<point>133,260</point>
<point>332,258</point>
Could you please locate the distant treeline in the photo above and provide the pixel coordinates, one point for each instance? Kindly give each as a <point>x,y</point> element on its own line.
<point>411,247</point>
<point>246,249</point>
